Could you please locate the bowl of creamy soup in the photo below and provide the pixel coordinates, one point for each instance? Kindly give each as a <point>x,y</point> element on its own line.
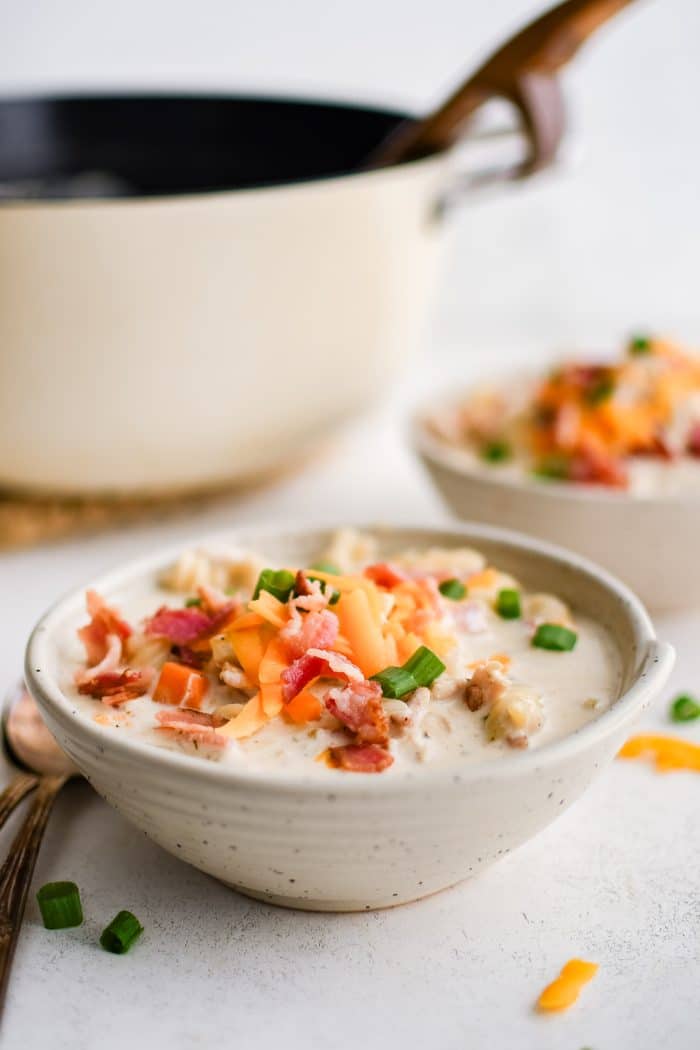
<point>346,719</point>
<point>600,455</point>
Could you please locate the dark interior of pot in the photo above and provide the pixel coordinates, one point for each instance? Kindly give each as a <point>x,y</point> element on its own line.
<point>166,144</point>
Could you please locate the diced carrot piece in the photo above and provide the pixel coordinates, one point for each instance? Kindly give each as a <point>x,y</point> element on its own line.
<point>305,707</point>
<point>181,686</point>
<point>565,990</point>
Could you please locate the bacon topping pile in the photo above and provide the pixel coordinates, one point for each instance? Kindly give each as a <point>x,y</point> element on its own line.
<point>223,669</point>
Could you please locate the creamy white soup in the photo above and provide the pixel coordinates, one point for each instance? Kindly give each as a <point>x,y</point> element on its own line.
<point>346,665</point>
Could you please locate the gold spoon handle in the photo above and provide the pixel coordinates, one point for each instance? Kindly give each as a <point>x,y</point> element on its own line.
<point>17,871</point>
<point>15,791</point>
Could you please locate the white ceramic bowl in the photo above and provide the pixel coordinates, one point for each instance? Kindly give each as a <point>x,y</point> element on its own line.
<point>351,841</point>
<point>649,542</point>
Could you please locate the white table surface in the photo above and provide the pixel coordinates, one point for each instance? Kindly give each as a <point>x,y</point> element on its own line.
<point>584,257</point>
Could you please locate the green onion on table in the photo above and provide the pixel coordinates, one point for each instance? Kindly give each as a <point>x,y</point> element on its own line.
<point>121,933</point>
<point>59,903</point>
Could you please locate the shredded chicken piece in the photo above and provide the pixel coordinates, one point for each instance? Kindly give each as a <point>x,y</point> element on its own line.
<point>222,651</point>
<point>236,678</point>
<point>142,650</point>
<point>446,686</point>
<point>398,712</point>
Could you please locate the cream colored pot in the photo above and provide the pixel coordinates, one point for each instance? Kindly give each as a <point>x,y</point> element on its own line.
<point>187,339</point>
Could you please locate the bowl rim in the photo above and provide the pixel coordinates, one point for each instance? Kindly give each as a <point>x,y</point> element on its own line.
<point>452,458</point>
<point>656,661</point>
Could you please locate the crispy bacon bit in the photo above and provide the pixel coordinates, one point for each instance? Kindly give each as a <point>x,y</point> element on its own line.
<point>314,630</point>
<point>694,440</point>
<point>384,574</point>
<point>104,621</point>
<point>116,687</point>
<point>598,467</point>
<point>359,707</point>
<point>184,655</point>
<point>360,758</point>
<point>299,674</point>
<point>302,586</point>
<point>313,663</point>
<point>311,595</point>
<point>196,725</point>
<point>216,603</point>
<point>185,626</point>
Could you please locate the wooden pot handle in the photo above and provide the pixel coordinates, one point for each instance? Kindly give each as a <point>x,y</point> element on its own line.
<point>523,72</point>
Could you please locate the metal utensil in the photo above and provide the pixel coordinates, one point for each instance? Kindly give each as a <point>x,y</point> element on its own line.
<point>31,745</point>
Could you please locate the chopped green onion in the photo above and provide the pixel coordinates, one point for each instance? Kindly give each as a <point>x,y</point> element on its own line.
<point>395,682</point>
<point>639,344</point>
<point>121,933</point>
<point>496,451</point>
<point>326,566</point>
<point>424,665</point>
<point>684,709</point>
<point>508,604</point>
<point>59,903</point>
<point>191,602</point>
<point>453,589</point>
<point>554,636</point>
<point>553,468</point>
<point>280,584</point>
<point>421,669</point>
<point>601,391</point>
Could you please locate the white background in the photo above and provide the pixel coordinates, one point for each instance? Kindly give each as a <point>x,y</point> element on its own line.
<point>579,258</point>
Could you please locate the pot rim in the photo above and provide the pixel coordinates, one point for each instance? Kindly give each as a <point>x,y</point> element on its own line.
<point>655,664</point>
<point>162,200</point>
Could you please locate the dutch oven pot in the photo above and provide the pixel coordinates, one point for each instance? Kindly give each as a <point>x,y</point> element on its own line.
<point>238,286</point>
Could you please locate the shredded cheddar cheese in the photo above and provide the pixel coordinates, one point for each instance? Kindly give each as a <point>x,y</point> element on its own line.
<point>668,752</point>
<point>565,990</point>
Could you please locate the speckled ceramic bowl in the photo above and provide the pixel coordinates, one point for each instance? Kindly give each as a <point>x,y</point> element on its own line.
<point>650,542</point>
<point>351,841</point>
